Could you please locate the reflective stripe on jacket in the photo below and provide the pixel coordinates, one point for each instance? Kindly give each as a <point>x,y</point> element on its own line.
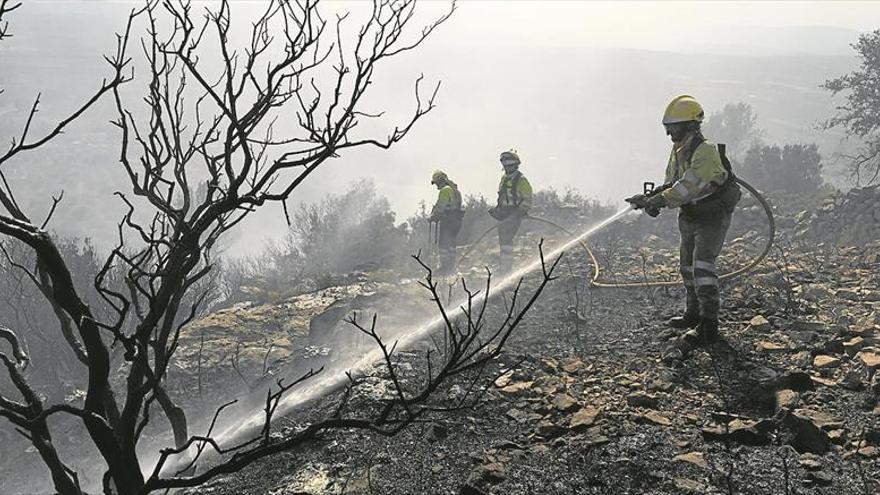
<point>515,190</point>
<point>693,177</point>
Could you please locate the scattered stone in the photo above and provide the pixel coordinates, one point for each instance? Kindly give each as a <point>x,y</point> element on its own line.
<point>804,434</point>
<point>823,420</point>
<point>824,381</point>
<point>759,323</point>
<point>507,445</point>
<point>565,403</point>
<point>503,380</point>
<point>515,388</point>
<point>868,451</point>
<point>574,367</point>
<point>695,458</point>
<point>469,489</point>
<point>870,356</point>
<point>853,345</point>
<point>539,448</point>
<point>742,432</point>
<point>436,432</point>
<point>810,462</point>
<point>875,384</point>
<point>810,326</point>
<point>593,437</point>
<point>837,437</point>
<point>492,472</point>
<point>653,417</point>
<point>549,429</point>
<point>822,361</point>
<point>641,399</point>
<point>689,486</point>
<point>852,381</point>
<point>787,399</point>
<point>517,415</point>
<point>818,478</point>
<point>584,418</point>
<point>766,346</point>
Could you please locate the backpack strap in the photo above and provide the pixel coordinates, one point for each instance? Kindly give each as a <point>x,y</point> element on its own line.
<point>514,189</point>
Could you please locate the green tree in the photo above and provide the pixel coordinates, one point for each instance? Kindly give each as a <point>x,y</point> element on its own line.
<point>792,167</point>
<point>859,115</point>
<point>736,125</point>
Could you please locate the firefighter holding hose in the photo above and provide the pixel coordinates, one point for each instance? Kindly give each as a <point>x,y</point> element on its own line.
<point>701,184</point>
<point>514,201</point>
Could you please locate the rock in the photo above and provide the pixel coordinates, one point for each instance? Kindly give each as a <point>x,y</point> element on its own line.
<point>810,326</point>
<point>593,437</point>
<point>436,432</point>
<point>695,458</point>
<point>869,452</point>
<point>745,433</point>
<point>875,384</point>
<point>515,388</point>
<point>787,399</point>
<point>870,356</point>
<point>507,445</point>
<point>574,367</point>
<point>816,292</point>
<point>492,472</point>
<point>653,417</point>
<point>810,462</point>
<point>766,346</point>
<point>852,381</point>
<point>468,489</point>
<point>549,429</point>
<point>834,346</point>
<point>503,380</point>
<point>822,361</point>
<point>823,381</point>
<point>565,403</point>
<point>641,399</point>
<point>584,418</point>
<point>689,486</point>
<point>853,345</point>
<point>818,479</point>
<point>804,434</point>
<point>837,437</point>
<point>759,323</point>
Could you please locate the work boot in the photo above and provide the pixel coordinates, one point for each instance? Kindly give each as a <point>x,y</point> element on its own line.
<point>690,320</point>
<point>708,330</point>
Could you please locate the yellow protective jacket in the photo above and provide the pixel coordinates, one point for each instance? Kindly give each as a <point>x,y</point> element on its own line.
<point>515,190</point>
<point>448,200</point>
<point>695,171</point>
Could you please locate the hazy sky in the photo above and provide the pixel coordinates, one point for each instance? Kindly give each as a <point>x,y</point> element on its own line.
<point>543,77</point>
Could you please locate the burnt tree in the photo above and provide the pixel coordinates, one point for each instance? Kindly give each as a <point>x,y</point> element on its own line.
<point>221,132</point>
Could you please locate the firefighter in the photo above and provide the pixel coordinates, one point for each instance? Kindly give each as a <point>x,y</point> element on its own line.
<point>700,183</point>
<point>447,213</point>
<point>514,201</point>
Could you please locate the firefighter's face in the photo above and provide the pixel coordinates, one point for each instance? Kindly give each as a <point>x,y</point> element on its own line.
<point>677,132</point>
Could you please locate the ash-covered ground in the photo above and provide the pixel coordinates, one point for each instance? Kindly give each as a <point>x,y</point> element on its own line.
<point>582,403</point>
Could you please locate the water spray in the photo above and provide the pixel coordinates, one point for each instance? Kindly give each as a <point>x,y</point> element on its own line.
<point>333,379</point>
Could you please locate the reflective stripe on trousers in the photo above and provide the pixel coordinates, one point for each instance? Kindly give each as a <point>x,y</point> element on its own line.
<point>701,242</point>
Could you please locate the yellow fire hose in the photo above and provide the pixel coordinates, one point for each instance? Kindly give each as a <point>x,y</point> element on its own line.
<point>596,282</point>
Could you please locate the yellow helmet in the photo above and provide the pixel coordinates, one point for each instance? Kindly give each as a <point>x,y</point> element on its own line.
<point>683,108</point>
<point>510,157</point>
<point>439,176</point>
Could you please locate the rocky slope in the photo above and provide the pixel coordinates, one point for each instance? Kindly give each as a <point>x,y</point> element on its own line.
<point>581,402</point>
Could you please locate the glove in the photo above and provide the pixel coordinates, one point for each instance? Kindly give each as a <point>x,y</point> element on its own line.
<point>638,201</point>
<point>652,211</point>
<point>655,201</point>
